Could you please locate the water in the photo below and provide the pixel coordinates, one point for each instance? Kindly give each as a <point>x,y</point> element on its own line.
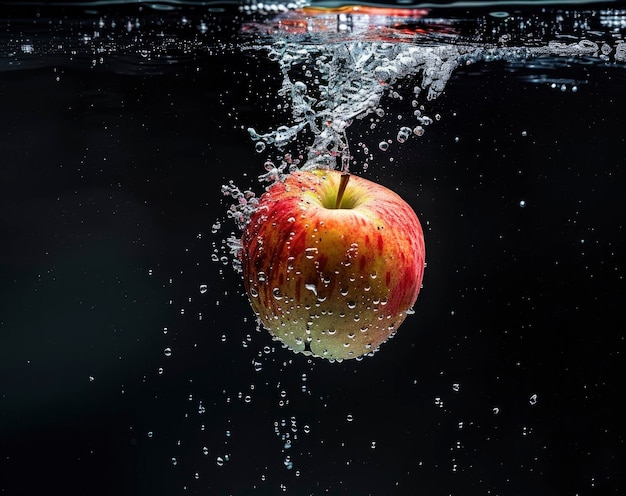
<point>131,361</point>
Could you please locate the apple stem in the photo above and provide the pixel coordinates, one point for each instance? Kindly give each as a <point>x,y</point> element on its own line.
<point>343,182</point>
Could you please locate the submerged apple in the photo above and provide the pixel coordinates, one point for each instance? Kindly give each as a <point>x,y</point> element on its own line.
<point>332,263</point>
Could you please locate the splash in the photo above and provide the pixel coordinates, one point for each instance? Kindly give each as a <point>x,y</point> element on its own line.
<point>337,64</point>
<point>327,86</point>
<point>329,82</point>
<point>346,81</point>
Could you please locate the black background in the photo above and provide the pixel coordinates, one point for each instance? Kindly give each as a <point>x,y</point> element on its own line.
<point>110,187</point>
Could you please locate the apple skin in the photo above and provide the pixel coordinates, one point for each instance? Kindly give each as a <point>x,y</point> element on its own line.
<point>332,282</point>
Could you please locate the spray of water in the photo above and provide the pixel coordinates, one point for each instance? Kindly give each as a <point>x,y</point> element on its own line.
<point>346,81</point>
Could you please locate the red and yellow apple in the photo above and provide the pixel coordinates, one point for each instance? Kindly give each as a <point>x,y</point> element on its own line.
<point>332,263</point>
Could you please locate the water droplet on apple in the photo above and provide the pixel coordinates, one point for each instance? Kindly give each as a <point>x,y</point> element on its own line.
<point>383,145</point>
<point>332,331</point>
<point>254,293</point>
<point>312,288</point>
<point>373,275</point>
<point>351,304</point>
<point>310,253</point>
<point>261,276</point>
<point>277,294</point>
<point>344,292</point>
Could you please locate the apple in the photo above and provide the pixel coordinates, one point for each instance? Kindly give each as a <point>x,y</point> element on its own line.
<point>332,263</point>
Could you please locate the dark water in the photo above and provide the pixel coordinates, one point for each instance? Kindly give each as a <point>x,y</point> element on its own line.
<point>130,362</point>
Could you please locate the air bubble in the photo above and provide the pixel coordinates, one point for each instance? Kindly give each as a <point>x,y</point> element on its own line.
<point>403,134</point>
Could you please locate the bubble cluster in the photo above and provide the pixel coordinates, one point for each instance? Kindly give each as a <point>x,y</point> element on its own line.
<point>346,81</point>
